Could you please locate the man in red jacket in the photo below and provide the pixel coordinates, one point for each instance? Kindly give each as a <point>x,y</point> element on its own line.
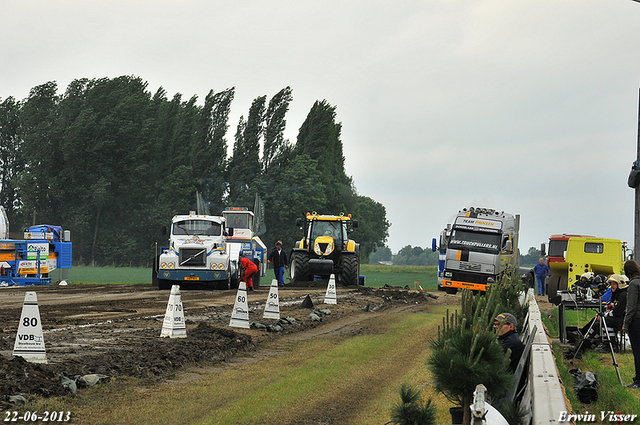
<point>249,269</point>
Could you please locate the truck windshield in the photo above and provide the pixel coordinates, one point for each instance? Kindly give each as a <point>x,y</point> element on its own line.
<point>475,241</point>
<point>557,248</point>
<point>197,227</point>
<point>239,220</point>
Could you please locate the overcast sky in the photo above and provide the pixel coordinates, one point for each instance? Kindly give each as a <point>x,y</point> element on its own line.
<point>530,107</point>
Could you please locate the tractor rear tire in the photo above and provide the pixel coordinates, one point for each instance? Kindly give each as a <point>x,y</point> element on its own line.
<point>349,269</point>
<point>299,270</point>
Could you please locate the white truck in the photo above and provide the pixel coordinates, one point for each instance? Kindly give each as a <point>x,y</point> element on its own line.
<point>198,252</point>
<point>242,240</point>
<point>481,247</point>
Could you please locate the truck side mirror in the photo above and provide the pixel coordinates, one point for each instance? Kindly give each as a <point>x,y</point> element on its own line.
<point>433,245</point>
<point>508,246</point>
<point>230,231</point>
<point>164,230</point>
<point>298,222</point>
<point>355,224</point>
<point>542,250</point>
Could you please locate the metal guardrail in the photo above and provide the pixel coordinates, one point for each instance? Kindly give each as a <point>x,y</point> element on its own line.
<point>543,390</point>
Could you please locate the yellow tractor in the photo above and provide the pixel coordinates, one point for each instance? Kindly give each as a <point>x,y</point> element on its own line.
<point>326,249</point>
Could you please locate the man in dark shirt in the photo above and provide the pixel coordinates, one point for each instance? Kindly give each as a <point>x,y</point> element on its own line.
<point>505,326</point>
<point>279,260</point>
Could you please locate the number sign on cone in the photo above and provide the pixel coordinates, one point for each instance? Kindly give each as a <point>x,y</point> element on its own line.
<point>173,325</point>
<point>30,341</point>
<point>272,307</point>
<point>330,297</point>
<point>240,314</point>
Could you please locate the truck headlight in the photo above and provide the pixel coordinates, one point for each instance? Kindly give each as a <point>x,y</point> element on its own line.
<point>448,274</point>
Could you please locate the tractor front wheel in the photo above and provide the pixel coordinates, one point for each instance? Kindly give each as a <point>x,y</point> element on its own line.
<point>299,270</point>
<point>349,270</point>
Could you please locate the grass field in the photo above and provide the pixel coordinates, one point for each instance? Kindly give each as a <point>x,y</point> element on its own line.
<point>83,274</point>
<point>375,275</point>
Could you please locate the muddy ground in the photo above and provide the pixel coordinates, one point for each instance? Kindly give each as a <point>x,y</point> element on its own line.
<point>114,330</point>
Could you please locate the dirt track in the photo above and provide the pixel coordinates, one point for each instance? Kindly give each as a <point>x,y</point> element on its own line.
<point>115,329</point>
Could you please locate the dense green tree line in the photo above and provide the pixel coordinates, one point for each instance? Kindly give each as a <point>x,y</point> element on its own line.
<point>112,163</point>
<point>531,258</point>
<point>416,256</point>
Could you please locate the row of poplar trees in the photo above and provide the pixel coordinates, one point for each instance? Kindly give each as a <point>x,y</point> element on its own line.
<point>112,162</point>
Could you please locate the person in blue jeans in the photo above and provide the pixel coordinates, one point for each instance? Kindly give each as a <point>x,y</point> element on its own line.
<point>279,260</point>
<point>631,323</point>
<point>541,271</point>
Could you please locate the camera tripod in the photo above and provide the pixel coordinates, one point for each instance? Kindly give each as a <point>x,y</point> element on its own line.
<point>605,340</point>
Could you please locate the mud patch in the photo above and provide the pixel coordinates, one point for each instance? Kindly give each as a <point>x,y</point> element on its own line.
<point>115,331</point>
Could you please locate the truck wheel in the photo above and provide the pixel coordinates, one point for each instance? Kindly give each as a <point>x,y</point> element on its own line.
<point>225,284</point>
<point>256,277</point>
<point>299,270</point>
<point>451,291</point>
<point>349,269</point>
<point>154,275</point>
<point>552,286</point>
<point>164,284</point>
<point>531,279</point>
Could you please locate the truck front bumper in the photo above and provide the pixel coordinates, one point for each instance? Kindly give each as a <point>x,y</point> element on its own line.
<point>193,275</point>
<point>448,283</point>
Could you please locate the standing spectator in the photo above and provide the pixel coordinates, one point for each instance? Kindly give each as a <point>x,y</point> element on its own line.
<point>542,272</point>
<point>631,323</point>
<point>249,269</point>
<point>279,260</point>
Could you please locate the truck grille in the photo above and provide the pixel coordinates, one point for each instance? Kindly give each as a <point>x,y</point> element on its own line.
<point>469,277</point>
<point>193,257</point>
<point>470,267</point>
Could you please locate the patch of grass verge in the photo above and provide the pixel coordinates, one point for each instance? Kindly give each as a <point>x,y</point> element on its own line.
<point>377,275</point>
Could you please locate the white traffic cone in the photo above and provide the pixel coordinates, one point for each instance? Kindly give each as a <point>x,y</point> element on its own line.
<point>272,306</point>
<point>173,325</point>
<point>330,297</point>
<point>240,313</point>
<point>29,340</point>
